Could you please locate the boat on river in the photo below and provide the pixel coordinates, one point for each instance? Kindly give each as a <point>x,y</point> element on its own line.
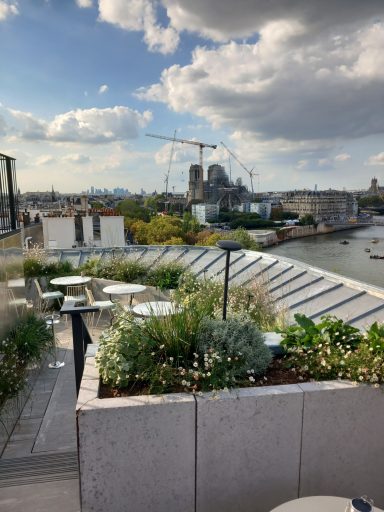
<point>367,249</point>
<point>376,257</point>
<point>344,242</point>
<point>375,240</point>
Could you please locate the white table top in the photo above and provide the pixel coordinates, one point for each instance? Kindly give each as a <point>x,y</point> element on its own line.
<point>317,504</point>
<point>157,308</point>
<point>124,289</point>
<point>70,280</point>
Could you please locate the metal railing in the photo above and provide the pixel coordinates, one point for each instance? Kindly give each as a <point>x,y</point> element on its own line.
<point>9,204</point>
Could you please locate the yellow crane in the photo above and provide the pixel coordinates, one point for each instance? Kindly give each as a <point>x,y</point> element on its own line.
<point>250,173</point>
<point>195,143</point>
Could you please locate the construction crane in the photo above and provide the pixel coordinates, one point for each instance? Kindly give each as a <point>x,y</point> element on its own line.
<point>250,173</point>
<point>200,191</point>
<point>166,180</point>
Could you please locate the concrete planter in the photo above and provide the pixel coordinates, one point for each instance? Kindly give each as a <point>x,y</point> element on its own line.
<point>247,450</point>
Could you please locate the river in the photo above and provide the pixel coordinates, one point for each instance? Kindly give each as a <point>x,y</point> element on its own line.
<point>325,251</point>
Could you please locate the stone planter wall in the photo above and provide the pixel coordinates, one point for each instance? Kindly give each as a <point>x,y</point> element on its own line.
<point>247,450</point>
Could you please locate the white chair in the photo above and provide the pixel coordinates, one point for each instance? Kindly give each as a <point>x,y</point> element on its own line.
<point>46,297</point>
<point>76,293</point>
<point>19,304</point>
<point>103,305</point>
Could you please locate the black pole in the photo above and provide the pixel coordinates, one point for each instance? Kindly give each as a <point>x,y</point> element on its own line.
<point>227,245</point>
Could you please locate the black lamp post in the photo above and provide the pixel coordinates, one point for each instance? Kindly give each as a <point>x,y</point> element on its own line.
<point>227,245</point>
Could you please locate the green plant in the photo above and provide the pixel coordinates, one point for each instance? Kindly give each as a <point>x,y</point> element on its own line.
<point>230,350</point>
<point>330,329</point>
<point>31,338</point>
<point>255,300</point>
<point>11,371</point>
<point>325,360</point>
<point>26,342</point>
<point>165,276</point>
<point>375,337</point>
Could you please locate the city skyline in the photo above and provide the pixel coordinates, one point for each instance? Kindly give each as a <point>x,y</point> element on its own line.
<point>293,88</point>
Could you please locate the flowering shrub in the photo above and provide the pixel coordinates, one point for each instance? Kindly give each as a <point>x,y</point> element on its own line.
<point>335,350</point>
<point>26,342</point>
<point>37,264</point>
<point>181,352</point>
<point>254,300</point>
<point>331,329</point>
<point>232,350</point>
<point>120,268</point>
<point>165,276</point>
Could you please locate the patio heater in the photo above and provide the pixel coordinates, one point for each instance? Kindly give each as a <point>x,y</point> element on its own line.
<point>51,320</point>
<point>229,246</point>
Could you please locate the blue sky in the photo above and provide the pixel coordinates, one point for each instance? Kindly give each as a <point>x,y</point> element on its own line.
<point>295,90</point>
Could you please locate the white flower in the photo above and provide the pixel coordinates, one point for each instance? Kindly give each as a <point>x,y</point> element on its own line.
<point>183,382</point>
<point>208,374</point>
<point>195,364</point>
<point>171,359</point>
<point>252,379</point>
<point>228,359</point>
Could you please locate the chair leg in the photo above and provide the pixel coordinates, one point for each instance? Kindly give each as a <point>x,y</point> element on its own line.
<point>97,322</point>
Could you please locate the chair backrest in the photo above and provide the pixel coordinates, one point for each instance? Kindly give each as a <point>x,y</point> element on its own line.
<point>39,290</point>
<point>91,298</point>
<point>76,290</point>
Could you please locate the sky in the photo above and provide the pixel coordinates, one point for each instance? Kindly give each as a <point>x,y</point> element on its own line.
<point>294,88</point>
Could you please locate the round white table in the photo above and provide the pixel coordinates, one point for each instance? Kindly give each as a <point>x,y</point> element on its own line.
<point>156,308</point>
<point>70,280</point>
<point>124,289</point>
<point>317,504</point>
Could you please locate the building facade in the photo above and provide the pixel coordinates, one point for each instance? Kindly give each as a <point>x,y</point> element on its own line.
<point>205,213</point>
<point>324,206</point>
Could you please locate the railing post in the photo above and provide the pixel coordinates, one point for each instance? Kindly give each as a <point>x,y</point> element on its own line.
<point>11,194</point>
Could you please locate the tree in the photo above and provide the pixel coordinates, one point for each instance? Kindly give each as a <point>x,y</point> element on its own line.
<point>190,223</point>
<point>132,209</point>
<point>307,220</point>
<point>158,230</point>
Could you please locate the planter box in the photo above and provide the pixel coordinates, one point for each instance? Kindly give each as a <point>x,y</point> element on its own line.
<point>247,450</point>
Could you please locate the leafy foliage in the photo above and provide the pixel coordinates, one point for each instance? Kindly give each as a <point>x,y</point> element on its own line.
<point>306,333</point>
<point>231,350</point>
<point>335,350</point>
<point>185,351</point>
<point>26,342</point>
<point>165,276</point>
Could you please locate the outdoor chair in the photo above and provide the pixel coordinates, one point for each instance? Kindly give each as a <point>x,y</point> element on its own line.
<point>19,304</point>
<point>46,297</point>
<point>103,305</point>
<point>76,293</point>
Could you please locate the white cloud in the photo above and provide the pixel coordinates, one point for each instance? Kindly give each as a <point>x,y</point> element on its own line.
<point>342,157</point>
<point>76,158</point>
<point>90,125</point>
<point>103,88</point>
<point>324,162</point>
<point>84,4</point>
<point>7,9</point>
<point>281,87</point>
<point>44,160</point>
<point>222,20</point>
<point>140,15</point>
<point>302,165</point>
<point>376,159</point>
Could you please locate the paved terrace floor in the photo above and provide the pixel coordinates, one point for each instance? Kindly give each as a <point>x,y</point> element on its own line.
<point>39,468</point>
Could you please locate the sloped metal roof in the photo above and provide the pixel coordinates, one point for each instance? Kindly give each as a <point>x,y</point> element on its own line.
<point>295,285</point>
